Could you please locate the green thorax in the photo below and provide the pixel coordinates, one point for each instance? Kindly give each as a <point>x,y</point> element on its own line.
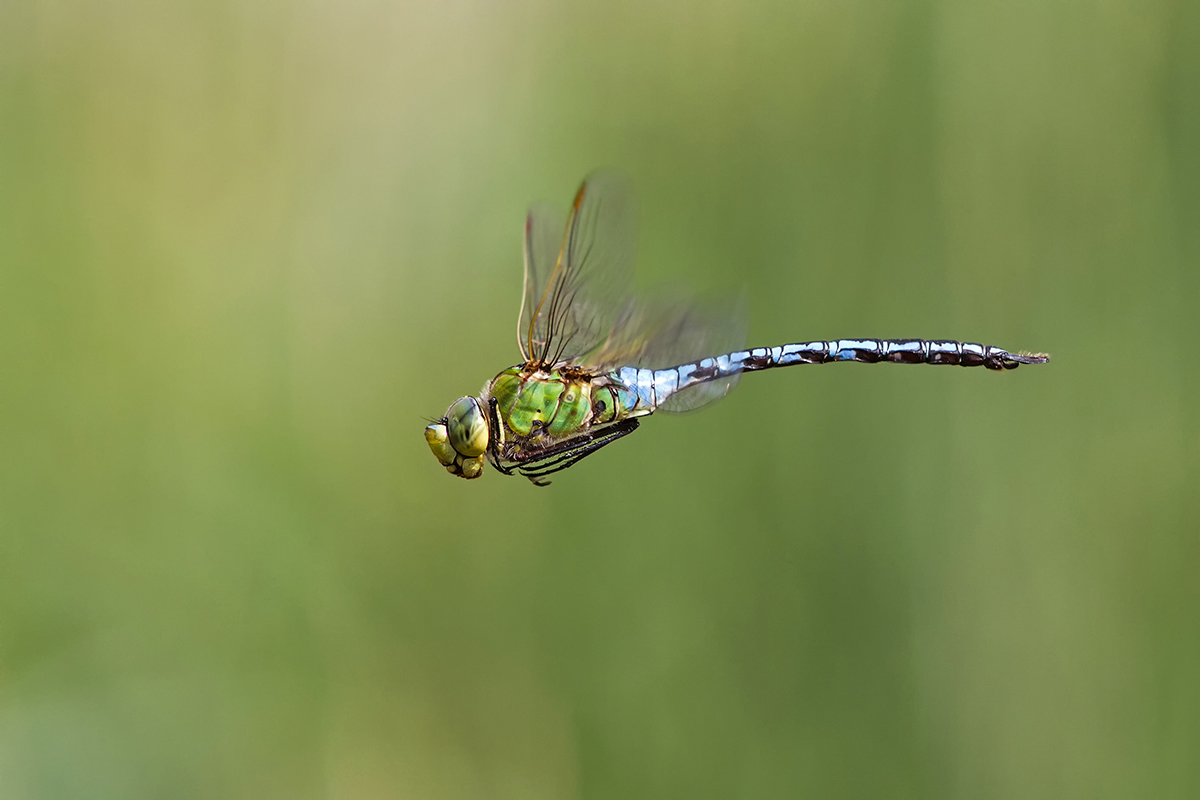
<point>559,402</point>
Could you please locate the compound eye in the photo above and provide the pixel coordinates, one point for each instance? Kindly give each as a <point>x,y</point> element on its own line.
<point>468,427</point>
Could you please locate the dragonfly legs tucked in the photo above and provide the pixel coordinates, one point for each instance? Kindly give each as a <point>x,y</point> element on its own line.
<point>493,449</point>
<point>541,463</point>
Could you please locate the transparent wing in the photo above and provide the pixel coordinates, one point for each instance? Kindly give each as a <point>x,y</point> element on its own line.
<point>577,276</point>
<point>661,333</point>
<point>544,226</point>
<point>578,307</point>
<point>710,330</point>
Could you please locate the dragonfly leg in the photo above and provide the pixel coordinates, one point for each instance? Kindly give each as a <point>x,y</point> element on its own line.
<point>493,446</point>
<point>557,458</point>
<point>537,477</point>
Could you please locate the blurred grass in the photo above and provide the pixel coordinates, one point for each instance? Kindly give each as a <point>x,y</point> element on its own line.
<point>245,248</point>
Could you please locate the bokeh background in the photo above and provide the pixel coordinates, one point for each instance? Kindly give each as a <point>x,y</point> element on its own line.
<point>247,247</point>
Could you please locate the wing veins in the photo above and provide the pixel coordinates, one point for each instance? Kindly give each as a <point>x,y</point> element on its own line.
<point>556,275</point>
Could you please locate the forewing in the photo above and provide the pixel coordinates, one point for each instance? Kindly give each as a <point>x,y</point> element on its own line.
<point>577,305</point>
<point>544,228</point>
<point>573,299</point>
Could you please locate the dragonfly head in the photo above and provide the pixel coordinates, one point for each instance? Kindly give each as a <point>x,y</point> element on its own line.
<point>461,438</point>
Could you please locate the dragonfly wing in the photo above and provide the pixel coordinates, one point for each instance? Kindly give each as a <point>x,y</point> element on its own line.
<point>544,226</point>
<point>578,307</point>
<point>661,333</point>
<point>575,287</point>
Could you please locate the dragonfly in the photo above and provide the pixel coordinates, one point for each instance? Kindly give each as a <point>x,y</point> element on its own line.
<point>596,358</point>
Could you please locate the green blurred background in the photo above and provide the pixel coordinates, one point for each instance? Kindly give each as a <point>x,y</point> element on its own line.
<point>245,248</point>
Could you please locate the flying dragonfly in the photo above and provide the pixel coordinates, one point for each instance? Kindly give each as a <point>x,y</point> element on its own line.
<point>596,359</point>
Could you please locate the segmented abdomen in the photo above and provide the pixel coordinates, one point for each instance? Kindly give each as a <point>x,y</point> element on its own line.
<point>654,387</point>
